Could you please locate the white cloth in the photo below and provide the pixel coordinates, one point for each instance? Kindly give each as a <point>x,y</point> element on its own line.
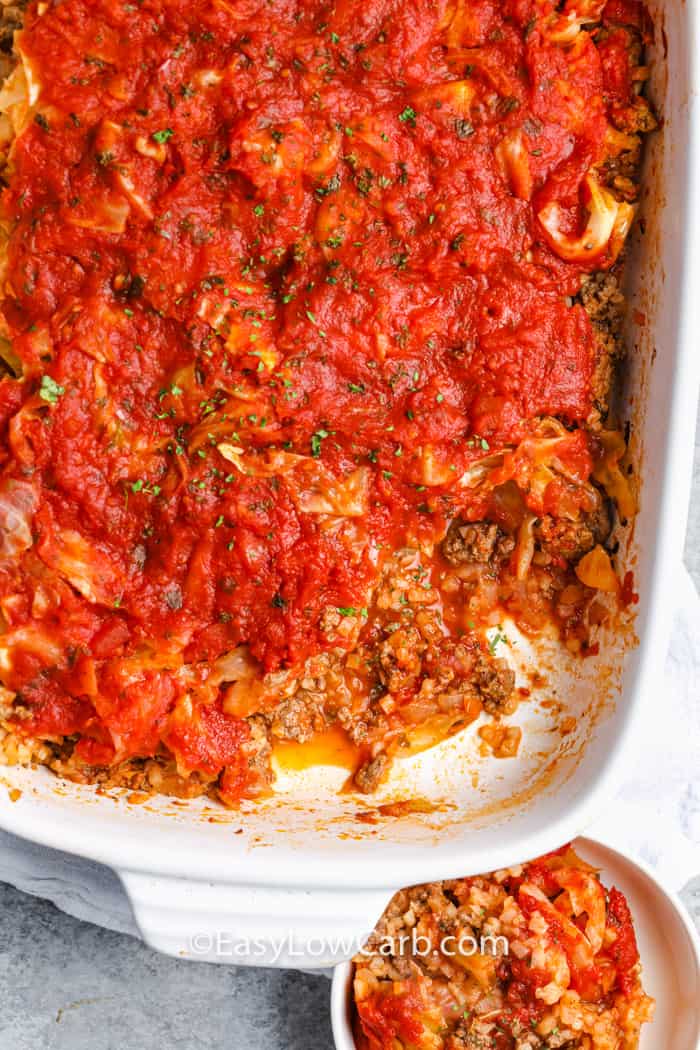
<point>656,814</point>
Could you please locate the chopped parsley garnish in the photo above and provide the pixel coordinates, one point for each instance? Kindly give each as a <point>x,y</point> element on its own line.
<point>316,440</point>
<point>480,442</point>
<point>50,390</point>
<point>146,487</point>
<point>331,186</point>
<point>498,638</point>
<point>163,135</point>
<point>408,116</point>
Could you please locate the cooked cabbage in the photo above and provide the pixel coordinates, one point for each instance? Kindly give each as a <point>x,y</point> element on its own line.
<point>18,503</point>
<point>608,223</point>
<point>82,564</point>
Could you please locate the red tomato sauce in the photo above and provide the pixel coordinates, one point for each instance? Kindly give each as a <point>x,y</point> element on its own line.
<point>388,1017</point>
<point>624,951</point>
<point>282,227</point>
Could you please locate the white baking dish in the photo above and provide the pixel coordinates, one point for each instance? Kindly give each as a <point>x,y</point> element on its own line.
<point>302,862</point>
<point>669,948</point>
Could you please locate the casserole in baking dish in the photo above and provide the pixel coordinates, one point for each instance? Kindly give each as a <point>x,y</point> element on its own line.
<point>475,812</point>
<point>309,378</point>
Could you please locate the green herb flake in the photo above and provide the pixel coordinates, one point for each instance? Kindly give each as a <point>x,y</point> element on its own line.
<point>408,116</point>
<point>316,440</point>
<point>497,639</point>
<point>50,390</point>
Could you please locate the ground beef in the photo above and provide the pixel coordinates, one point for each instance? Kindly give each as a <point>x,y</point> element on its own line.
<point>603,301</point>
<point>474,1034</point>
<point>620,172</point>
<point>369,777</point>
<point>356,728</point>
<point>307,705</point>
<point>570,540</point>
<point>11,17</point>
<point>605,305</point>
<point>495,682</point>
<point>147,775</point>
<point>339,628</point>
<point>481,542</point>
<point>297,718</point>
<point>259,749</point>
<point>400,659</point>
<point>448,675</point>
<point>637,119</point>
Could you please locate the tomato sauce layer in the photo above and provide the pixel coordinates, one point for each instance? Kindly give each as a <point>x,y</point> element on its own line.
<point>277,276</point>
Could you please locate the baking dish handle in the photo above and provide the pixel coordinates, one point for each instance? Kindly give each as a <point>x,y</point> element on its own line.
<point>252,925</point>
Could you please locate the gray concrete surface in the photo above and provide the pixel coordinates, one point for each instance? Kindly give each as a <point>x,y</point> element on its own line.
<point>67,985</point>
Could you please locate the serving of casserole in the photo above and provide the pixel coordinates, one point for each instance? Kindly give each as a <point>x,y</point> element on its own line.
<point>540,956</point>
<point>582,948</point>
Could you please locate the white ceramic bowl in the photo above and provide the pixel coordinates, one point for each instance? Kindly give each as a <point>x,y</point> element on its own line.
<point>669,946</point>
